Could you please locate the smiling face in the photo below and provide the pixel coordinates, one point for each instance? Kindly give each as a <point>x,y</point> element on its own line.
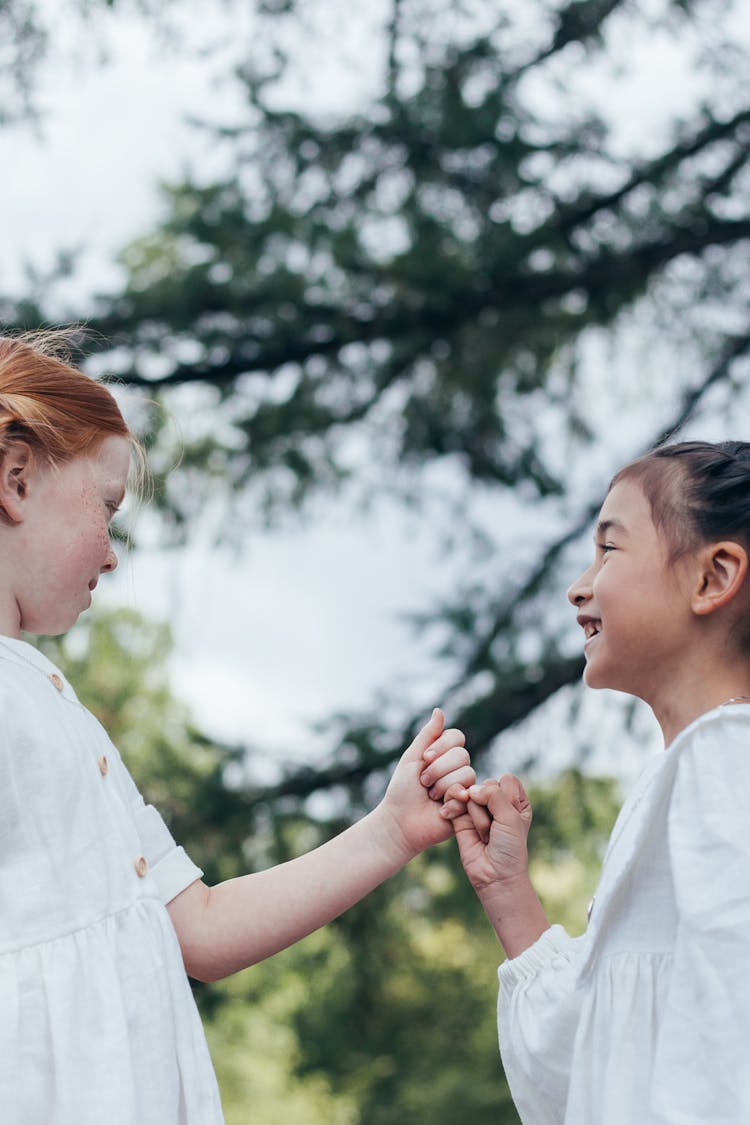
<point>633,606</point>
<point>60,538</point>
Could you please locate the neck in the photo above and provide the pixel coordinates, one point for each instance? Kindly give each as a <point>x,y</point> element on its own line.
<point>10,616</point>
<point>679,708</point>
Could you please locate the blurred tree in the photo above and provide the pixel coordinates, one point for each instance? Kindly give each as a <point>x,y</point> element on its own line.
<point>425,273</point>
<point>23,41</point>
<point>423,283</point>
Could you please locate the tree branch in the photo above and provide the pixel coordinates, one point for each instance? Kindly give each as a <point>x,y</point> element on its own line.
<point>508,293</point>
<point>513,701</point>
<point>578,22</point>
<point>568,217</point>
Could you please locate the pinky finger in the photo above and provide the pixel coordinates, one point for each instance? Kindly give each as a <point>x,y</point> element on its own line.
<point>457,791</point>
<point>452,808</point>
<point>481,820</point>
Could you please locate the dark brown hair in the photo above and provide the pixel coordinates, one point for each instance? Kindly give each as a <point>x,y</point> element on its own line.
<point>699,491</point>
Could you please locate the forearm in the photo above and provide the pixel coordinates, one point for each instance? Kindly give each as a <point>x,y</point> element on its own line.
<point>244,920</point>
<point>515,912</point>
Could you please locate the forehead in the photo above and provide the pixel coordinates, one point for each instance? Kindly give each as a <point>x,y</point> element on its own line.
<point>111,460</point>
<point>626,509</point>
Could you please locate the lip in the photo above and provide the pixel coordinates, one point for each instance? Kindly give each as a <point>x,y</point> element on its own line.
<point>93,584</point>
<point>592,627</point>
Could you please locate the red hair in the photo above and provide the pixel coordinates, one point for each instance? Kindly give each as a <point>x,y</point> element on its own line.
<point>48,403</point>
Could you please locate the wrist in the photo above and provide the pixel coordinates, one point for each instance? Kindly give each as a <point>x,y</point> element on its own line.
<point>515,912</point>
<point>389,837</point>
<point>504,892</point>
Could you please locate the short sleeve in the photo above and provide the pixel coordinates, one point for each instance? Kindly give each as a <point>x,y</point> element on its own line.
<point>700,1069</point>
<point>538,1013</point>
<point>170,866</point>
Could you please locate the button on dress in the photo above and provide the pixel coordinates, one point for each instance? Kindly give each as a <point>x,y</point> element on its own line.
<point>98,1025</point>
<point>646,1017</point>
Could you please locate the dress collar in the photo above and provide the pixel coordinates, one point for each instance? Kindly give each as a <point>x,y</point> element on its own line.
<point>22,653</point>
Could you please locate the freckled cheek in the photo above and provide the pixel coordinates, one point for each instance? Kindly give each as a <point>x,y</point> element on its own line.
<point>104,546</point>
<point>87,552</point>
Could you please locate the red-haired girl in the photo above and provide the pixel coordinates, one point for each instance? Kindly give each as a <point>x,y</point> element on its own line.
<point>102,913</point>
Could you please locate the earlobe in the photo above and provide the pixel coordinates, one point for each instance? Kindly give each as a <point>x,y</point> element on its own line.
<point>15,464</point>
<point>722,577</point>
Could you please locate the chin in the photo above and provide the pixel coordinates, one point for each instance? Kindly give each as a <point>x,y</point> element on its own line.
<point>50,627</point>
<point>599,680</point>
<point>590,677</point>
<point>594,677</point>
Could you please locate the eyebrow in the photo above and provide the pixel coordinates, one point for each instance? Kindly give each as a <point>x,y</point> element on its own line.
<point>604,526</point>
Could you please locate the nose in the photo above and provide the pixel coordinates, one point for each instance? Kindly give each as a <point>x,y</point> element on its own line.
<point>110,562</point>
<point>580,591</point>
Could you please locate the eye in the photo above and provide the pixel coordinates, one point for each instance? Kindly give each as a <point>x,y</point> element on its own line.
<point>605,548</point>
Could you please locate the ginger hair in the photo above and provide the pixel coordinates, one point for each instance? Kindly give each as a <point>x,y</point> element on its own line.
<point>50,404</point>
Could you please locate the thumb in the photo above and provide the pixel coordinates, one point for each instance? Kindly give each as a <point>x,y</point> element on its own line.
<point>516,794</point>
<point>432,729</point>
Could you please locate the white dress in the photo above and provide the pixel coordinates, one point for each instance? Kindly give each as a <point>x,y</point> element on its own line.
<point>645,1020</point>
<point>97,1021</point>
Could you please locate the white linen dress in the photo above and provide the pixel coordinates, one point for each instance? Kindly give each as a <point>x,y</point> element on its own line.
<point>97,1021</point>
<point>645,1019</point>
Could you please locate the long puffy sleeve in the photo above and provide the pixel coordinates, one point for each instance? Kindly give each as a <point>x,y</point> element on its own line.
<point>700,1068</point>
<point>538,1010</point>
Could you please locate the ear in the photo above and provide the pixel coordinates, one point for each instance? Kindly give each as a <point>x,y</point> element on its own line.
<point>722,574</point>
<point>15,469</point>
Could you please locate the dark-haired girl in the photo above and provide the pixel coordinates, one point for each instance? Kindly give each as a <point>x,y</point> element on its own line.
<point>645,1019</point>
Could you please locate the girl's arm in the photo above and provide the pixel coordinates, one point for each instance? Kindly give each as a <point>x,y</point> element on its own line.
<point>538,1003</point>
<point>225,928</point>
<point>491,838</point>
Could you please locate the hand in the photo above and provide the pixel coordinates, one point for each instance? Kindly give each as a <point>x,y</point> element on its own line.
<point>492,832</point>
<point>412,800</point>
<point>492,843</point>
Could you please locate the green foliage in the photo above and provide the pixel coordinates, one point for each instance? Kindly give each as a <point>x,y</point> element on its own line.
<point>256,1051</point>
<point>401,1008</point>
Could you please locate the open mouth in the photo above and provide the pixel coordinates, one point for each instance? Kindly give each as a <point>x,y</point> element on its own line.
<point>591,629</point>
